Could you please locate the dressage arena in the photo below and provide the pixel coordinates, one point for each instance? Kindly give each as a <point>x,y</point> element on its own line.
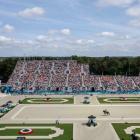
<point>47,101</point>
<point>36,131</point>
<point>119,100</point>
<point>72,116</point>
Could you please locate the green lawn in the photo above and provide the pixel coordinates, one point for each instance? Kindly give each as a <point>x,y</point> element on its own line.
<point>36,132</point>
<point>132,99</point>
<point>68,131</point>
<point>119,128</point>
<point>137,130</point>
<point>42,101</point>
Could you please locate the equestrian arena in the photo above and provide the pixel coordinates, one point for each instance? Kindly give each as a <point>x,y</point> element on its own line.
<point>42,113</point>
<point>61,100</point>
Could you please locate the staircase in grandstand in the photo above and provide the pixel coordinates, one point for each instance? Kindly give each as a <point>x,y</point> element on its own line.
<point>134,84</point>
<point>67,72</point>
<point>117,83</point>
<point>137,81</point>
<point>100,84</point>
<point>21,72</point>
<point>52,72</point>
<point>83,73</point>
<point>37,72</point>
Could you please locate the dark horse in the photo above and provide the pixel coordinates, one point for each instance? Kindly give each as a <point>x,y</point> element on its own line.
<point>106,112</point>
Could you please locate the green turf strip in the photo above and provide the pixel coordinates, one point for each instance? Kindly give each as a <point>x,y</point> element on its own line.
<point>137,130</point>
<point>126,100</point>
<point>101,100</point>
<point>119,128</point>
<point>25,101</point>
<point>68,131</point>
<point>36,132</point>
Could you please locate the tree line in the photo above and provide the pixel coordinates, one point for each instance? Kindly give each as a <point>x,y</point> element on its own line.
<point>98,65</point>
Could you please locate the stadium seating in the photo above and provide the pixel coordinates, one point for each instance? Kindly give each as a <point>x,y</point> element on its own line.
<point>60,75</point>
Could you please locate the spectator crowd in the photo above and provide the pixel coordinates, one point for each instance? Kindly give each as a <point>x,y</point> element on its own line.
<point>59,75</point>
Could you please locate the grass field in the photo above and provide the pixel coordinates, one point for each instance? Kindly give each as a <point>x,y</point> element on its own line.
<point>68,130</point>
<point>44,101</point>
<point>117,100</point>
<point>119,128</point>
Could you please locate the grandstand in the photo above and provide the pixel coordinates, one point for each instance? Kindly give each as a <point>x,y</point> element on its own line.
<point>66,75</point>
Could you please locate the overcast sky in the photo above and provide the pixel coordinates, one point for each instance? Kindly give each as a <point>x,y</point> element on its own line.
<point>70,27</point>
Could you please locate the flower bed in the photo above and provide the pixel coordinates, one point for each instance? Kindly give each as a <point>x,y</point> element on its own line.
<point>25,131</point>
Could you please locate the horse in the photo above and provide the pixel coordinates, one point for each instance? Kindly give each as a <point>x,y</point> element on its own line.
<point>106,112</point>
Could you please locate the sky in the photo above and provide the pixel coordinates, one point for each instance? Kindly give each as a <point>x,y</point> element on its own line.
<point>69,27</point>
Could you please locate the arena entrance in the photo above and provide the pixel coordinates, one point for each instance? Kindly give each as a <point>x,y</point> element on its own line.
<point>57,89</point>
<point>92,89</point>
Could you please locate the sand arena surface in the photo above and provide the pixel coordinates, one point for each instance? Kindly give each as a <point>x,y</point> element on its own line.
<point>77,114</point>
